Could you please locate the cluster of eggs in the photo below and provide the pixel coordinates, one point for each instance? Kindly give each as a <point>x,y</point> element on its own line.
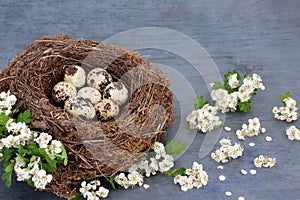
<point>97,94</point>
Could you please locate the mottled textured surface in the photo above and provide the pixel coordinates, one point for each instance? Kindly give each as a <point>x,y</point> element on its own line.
<point>259,36</point>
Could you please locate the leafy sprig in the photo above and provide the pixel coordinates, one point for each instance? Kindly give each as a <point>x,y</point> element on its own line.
<point>175,148</point>
<point>23,154</point>
<point>199,102</point>
<point>285,96</point>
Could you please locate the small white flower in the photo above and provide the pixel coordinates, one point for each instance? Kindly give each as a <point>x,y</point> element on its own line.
<point>187,183</point>
<point>102,192</point>
<point>157,146</point>
<point>264,161</point>
<point>227,151</point>
<point>178,179</point>
<point>9,125</point>
<point>84,188</point>
<point>293,133</point>
<point>154,164</point>
<point>233,81</point>
<point>225,141</point>
<point>43,140</point>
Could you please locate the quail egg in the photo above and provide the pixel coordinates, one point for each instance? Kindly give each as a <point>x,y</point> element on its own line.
<point>75,74</point>
<point>106,109</point>
<point>80,107</point>
<point>90,93</point>
<point>98,78</point>
<point>63,91</point>
<point>117,92</point>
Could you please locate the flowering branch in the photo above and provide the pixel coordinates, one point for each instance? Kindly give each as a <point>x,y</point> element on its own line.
<point>31,155</point>
<point>235,94</point>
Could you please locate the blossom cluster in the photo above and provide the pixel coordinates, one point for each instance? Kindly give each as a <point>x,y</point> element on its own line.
<point>293,133</point>
<point>227,151</point>
<point>18,137</point>
<point>160,161</point>
<point>93,190</point>
<point>45,141</point>
<point>204,119</point>
<point>228,97</point>
<point>194,177</point>
<point>264,161</point>
<point>287,113</point>
<point>252,129</point>
<point>32,171</point>
<point>7,101</point>
<point>20,134</point>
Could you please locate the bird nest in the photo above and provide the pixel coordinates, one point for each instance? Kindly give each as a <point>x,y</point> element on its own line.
<point>95,148</point>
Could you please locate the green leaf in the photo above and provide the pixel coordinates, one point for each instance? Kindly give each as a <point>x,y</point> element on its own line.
<point>188,126</point>
<point>176,172</point>
<point>244,106</point>
<point>51,163</point>
<point>112,182</point>
<point>175,148</point>
<point>286,95</point>
<point>20,159</point>
<point>199,102</point>
<point>8,169</point>
<point>3,119</point>
<point>7,178</point>
<point>8,153</point>
<point>78,197</point>
<point>25,117</point>
<point>47,167</point>
<point>64,155</point>
<point>218,85</point>
<point>30,182</point>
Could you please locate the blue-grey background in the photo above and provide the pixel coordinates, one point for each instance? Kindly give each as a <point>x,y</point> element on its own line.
<point>256,36</point>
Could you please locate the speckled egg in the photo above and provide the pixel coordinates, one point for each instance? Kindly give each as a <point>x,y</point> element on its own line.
<point>75,75</point>
<point>117,92</point>
<point>91,94</point>
<point>98,78</point>
<point>106,109</point>
<point>80,107</point>
<point>63,91</point>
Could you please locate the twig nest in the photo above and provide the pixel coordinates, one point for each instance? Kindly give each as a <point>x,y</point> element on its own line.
<point>117,92</point>
<point>106,109</point>
<point>75,75</point>
<point>63,91</point>
<point>98,78</point>
<point>91,94</point>
<point>80,107</point>
<point>146,86</point>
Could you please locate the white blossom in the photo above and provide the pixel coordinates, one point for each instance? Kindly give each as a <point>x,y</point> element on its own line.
<point>41,178</point>
<point>264,161</point>
<point>293,133</point>
<point>204,119</point>
<point>252,129</point>
<point>93,190</point>
<point>287,113</point>
<point>227,151</point>
<point>194,177</point>
<point>43,140</point>
<point>228,102</point>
